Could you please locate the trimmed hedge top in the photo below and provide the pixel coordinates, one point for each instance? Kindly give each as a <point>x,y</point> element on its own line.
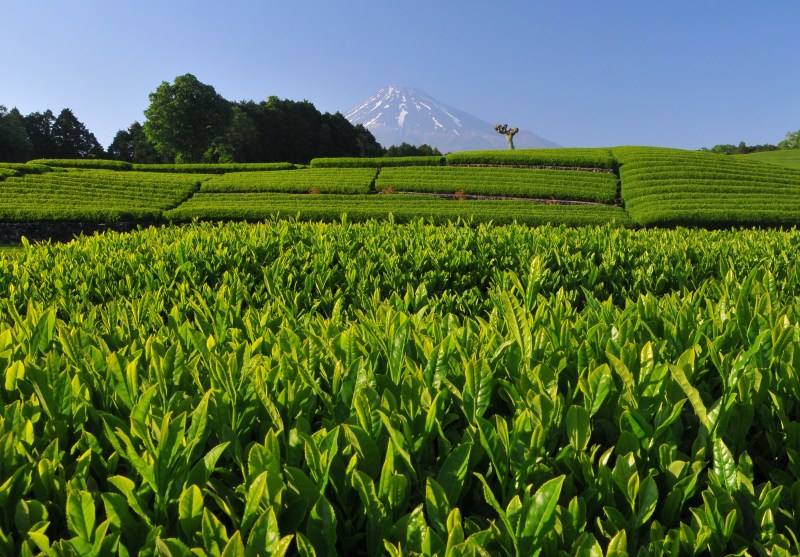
<point>376,162</point>
<point>565,157</point>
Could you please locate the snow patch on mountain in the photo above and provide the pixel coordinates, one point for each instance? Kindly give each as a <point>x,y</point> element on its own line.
<point>388,116</point>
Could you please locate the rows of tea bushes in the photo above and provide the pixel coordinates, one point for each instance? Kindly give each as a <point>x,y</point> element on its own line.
<point>673,187</point>
<point>6,172</point>
<point>350,389</point>
<point>200,168</point>
<point>657,186</point>
<point>92,195</point>
<point>94,164</point>
<point>376,162</point>
<point>215,168</point>
<point>561,157</point>
<point>26,168</point>
<point>496,181</point>
<point>398,207</point>
<point>318,180</point>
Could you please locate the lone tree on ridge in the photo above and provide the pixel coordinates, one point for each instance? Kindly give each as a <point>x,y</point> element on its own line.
<point>509,133</point>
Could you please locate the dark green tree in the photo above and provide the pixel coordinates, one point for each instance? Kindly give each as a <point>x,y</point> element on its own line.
<point>39,127</point>
<point>368,146</point>
<point>14,143</point>
<point>132,145</point>
<point>71,138</point>
<point>407,150</point>
<point>121,147</point>
<point>239,143</point>
<point>185,117</point>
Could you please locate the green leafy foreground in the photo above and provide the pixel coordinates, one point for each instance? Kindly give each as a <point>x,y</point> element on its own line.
<point>290,388</point>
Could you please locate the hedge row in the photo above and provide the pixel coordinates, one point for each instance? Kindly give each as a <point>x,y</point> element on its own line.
<point>376,162</point>
<point>92,195</point>
<point>96,164</point>
<point>26,168</point>
<point>509,182</point>
<point>564,157</point>
<point>400,208</point>
<point>203,168</point>
<point>310,180</point>
<point>214,168</point>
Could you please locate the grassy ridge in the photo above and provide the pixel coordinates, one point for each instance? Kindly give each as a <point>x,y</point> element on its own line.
<point>513,182</point>
<point>319,180</point>
<point>402,208</point>
<point>789,158</point>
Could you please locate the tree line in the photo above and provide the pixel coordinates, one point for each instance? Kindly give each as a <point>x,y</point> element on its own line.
<point>791,141</point>
<point>188,121</point>
<point>45,135</point>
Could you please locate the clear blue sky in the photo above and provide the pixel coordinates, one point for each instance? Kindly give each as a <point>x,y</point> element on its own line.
<point>581,73</point>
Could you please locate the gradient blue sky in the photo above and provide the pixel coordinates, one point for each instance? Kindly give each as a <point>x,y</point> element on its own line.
<point>581,73</point>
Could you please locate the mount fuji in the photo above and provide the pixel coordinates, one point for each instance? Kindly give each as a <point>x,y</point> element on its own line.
<point>401,114</point>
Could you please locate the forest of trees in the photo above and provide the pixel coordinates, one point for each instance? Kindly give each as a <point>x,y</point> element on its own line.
<point>45,135</point>
<point>188,121</point>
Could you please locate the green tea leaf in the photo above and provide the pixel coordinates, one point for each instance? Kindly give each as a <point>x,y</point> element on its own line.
<point>578,427</point>
<point>618,546</point>
<point>477,389</point>
<point>691,392</point>
<point>321,529</point>
<point>587,546</point>
<point>14,373</point>
<point>304,546</point>
<point>453,472</point>
<point>81,514</point>
<point>190,510</point>
<point>647,499</point>
<point>437,506</point>
<point>725,465</point>
<point>215,538</point>
<point>234,547</point>
<point>540,509</point>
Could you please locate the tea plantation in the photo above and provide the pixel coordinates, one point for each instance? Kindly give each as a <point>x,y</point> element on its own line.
<point>629,186</point>
<point>393,361</point>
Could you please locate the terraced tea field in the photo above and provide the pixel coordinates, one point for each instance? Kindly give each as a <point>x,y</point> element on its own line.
<point>353,181</point>
<point>672,187</point>
<point>599,187</point>
<point>92,195</point>
<point>629,186</point>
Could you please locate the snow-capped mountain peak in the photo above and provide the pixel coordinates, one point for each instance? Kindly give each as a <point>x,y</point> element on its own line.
<point>402,114</point>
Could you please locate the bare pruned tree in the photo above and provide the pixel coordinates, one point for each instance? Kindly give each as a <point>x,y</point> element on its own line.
<point>509,133</point>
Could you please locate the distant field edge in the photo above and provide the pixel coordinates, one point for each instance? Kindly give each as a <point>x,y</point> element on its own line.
<point>789,158</point>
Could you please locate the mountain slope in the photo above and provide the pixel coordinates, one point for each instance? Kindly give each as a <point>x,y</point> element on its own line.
<point>401,114</point>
